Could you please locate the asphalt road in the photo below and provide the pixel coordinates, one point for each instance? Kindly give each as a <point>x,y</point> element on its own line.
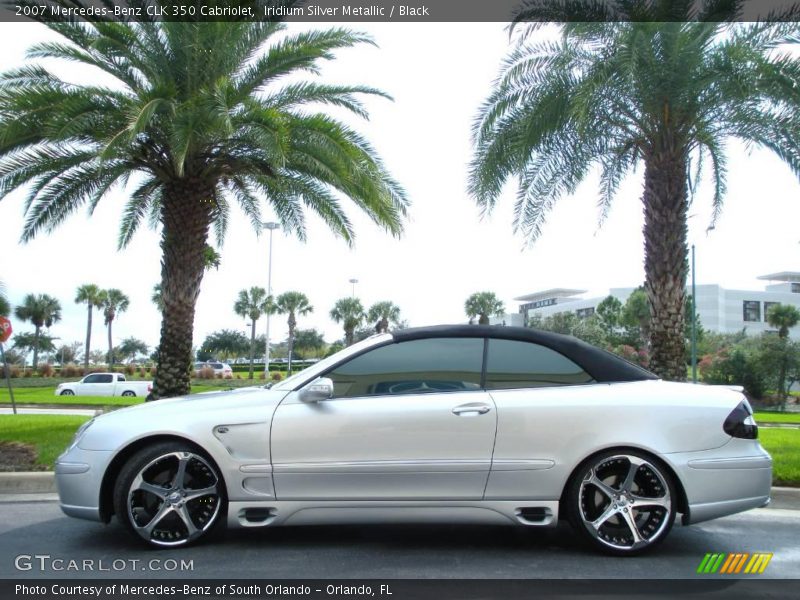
<point>31,528</point>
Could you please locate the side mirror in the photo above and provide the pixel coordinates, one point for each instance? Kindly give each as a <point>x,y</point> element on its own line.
<point>318,390</point>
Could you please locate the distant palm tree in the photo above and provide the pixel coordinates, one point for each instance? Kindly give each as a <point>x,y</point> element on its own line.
<point>203,115</point>
<point>42,311</point>
<point>483,305</point>
<point>252,305</point>
<point>156,297</point>
<point>350,313</point>
<point>92,296</point>
<point>664,84</point>
<point>783,317</point>
<point>113,302</point>
<point>293,304</point>
<point>383,313</point>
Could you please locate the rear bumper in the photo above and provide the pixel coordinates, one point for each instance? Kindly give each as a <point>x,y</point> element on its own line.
<point>724,481</point>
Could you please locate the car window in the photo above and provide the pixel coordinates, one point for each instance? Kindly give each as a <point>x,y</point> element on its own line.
<point>216,365</point>
<point>99,378</point>
<point>120,377</point>
<point>513,364</point>
<point>91,379</point>
<point>413,367</point>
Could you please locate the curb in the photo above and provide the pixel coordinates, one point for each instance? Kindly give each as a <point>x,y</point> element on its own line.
<point>38,482</point>
<point>28,482</point>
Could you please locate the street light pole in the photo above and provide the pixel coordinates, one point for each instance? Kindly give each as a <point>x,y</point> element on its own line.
<point>271,226</point>
<point>694,322</point>
<point>353,281</point>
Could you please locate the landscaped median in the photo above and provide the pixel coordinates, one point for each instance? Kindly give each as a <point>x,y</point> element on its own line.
<point>46,436</point>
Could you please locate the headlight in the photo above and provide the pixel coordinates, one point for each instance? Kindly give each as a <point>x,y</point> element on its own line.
<point>79,434</point>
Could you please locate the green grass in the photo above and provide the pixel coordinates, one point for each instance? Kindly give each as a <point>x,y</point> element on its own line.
<point>784,446</point>
<point>776,417</point>
<point>49,434</point>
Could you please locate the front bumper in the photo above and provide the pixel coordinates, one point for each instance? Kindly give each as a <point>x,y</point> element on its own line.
<point>724,481</point>
<point>79,477</point>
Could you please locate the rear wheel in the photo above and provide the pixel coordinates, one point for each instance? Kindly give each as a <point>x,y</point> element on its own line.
<point>67,393</point>
<point>169,494</point>
<point>622,502</point>
<point>128,394</point>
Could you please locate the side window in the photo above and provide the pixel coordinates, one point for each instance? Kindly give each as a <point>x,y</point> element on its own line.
<point>120,377</point>
<point>92,379</point>
<point>512,364</point>
<point>104,379</point>
<point>414,367</point>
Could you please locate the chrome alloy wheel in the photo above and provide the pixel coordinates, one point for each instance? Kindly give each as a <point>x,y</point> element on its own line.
<point>624,502</point>
<point>174,499</point>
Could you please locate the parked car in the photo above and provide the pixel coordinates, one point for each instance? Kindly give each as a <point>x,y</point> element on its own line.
<point>220,368</point>
<point>105,384</point>
<point>454,423</point>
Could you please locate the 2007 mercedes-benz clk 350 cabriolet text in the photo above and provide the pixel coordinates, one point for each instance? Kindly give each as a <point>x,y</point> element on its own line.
<point>463,423</point>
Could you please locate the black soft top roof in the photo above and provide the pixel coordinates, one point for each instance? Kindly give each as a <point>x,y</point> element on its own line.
<point>603,366</point>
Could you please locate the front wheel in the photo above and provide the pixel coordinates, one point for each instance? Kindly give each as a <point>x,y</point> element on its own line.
<point>67,393</point>
<point>622,502</point>
<point>128,394</point>
<point>169,494</point>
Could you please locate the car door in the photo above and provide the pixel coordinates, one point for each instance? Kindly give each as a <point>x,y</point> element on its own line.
<point>98,384</point>
<point>407,421</point>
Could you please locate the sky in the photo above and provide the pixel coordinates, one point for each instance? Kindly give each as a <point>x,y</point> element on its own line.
<point>438,75</point>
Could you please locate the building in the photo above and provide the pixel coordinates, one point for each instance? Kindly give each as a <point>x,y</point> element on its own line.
<point>720,309</point>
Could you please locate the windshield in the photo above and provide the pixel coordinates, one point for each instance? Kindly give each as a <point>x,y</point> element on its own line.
<point>312,372</point>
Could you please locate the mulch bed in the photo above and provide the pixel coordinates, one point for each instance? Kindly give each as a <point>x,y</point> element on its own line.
<point>16,456</point>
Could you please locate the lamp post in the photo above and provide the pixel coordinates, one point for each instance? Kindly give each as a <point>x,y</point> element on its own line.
<point>694,322</point>
<point>353,281</point>
<point>271,226</point>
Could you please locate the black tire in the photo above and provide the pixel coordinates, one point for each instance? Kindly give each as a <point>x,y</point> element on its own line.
<point>161,508</point>
<point>67,393</point>
<point>128,394</point>
<point>616,496</point>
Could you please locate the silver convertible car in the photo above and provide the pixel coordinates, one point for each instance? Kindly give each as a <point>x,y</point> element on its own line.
<point>463,423</point>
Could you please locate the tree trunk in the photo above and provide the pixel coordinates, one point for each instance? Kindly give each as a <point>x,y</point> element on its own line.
<point>36,347</point>
<point>292,325</point>
<point>348,336</point>
<point>252,346</point>
<point>484,320</point>
<point>110,346</point>
<point>383,325</point>
<point>665,263</point>
<point>185,216</point>
<point>88,337</point>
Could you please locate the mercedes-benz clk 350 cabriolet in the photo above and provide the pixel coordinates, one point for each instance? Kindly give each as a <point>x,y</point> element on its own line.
<point>467,423</point>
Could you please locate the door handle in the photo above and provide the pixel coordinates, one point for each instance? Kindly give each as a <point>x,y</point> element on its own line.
<point>466,409</point>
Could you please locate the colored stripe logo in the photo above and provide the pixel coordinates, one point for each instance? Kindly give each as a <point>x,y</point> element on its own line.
<point>734,563</point>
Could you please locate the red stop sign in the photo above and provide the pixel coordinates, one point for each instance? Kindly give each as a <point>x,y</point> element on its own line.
<point>5,329</point>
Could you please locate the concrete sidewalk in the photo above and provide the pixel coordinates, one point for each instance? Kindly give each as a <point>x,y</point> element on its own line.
<point>43,483</point>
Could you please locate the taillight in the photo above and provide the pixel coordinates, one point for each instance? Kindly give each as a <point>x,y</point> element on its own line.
<point>149,387</point>
<point>740,423</point>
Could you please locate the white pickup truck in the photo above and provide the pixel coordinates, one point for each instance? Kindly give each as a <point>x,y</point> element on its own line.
<point>105,384</point>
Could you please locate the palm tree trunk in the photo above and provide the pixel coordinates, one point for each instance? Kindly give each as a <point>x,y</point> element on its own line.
<point>36,347</point>
<point>185,216</point>
<point>252,346</point>
<point>110,347</point>
<point>665,264</point>
<point>292,325</point>
<point>88,337</point>
<point>484,320</point>
<point>348,336</point>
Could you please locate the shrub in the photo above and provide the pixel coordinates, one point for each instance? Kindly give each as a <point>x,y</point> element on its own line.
<point>69,370</point>
<point>261,375</point>
<point>130,369</point>
<point>218,375</point>
<point>206,373</point>
<point>14,372</point>
<point>276,376</point>
<point>28,373</point>
<point>733,367</point>
<point>152,371</point>
<point>46,370</point>
<point>238,376</point>
<point>142,372</point>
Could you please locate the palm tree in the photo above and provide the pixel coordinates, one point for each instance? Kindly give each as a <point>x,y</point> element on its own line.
<point>627,90</point>
<point>350,313</point>
<point>114,302</point>
<point>5,307</point>
<point>42,311</point>
<point>293,304</point>
<point>92,296</point>
<point>383,313</point>
<point>251,305</point>
<point>204,115</point>
<point>483,305</point>
<point>783,317</point>
<point>156,297</point>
